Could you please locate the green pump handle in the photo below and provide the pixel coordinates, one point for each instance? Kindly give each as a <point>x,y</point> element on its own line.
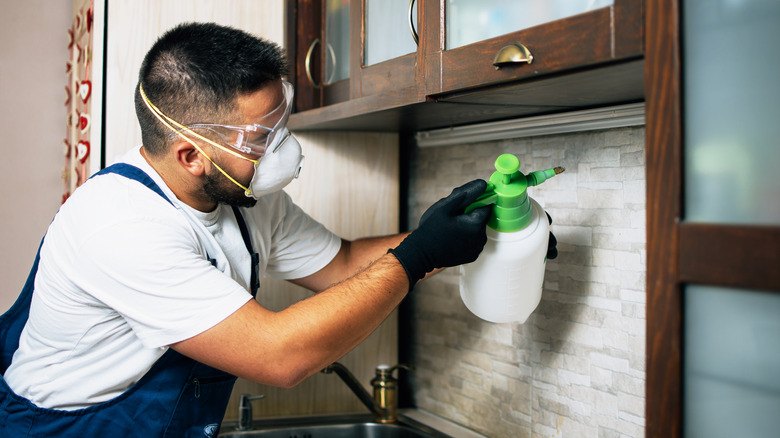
<point>506,190</point>
<point>487,198</point>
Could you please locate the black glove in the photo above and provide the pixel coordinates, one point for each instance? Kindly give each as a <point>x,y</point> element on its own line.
<point>552,243</point>
<point>446,237</point>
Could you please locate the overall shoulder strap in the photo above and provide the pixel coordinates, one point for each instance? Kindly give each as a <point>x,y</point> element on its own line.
<point>254,281</point>
<point>132,172</point>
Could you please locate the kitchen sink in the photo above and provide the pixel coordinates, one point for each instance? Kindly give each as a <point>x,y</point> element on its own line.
<point>352,426</point>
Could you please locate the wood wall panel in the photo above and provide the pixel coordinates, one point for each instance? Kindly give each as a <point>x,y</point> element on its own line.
<point>349,183</point>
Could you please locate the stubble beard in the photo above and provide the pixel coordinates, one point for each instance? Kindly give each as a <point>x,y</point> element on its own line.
<point>221,190</point>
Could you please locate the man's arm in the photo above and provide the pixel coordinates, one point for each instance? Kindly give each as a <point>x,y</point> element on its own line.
<point>353,257</point>
<point>282,348</point>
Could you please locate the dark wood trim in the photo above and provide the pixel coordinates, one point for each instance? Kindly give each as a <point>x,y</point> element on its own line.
<point>551,44</point>
<point>385,77</point>
<point>613,84</point>
<point>308,19</point>
<point>336,92</point>
<point>663,148</point>
<point>291,38</point>
<point>356,49</point>
<point>431,33</point>
<point>731,256</point>
<point>629,22</point>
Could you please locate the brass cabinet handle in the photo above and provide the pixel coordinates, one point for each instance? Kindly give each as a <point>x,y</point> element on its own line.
<point>512,54</point>
<point>411,24</point>
<point>307,63</point>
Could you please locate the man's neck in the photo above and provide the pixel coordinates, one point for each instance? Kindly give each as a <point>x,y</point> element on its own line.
<point>180,185</point>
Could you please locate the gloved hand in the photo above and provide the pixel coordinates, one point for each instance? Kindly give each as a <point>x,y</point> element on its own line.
<point>446,236</point>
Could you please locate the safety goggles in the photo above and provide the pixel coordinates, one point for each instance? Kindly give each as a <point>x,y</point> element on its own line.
<point>266,134</point>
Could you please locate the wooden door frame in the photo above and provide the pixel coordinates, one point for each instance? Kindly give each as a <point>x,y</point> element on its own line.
<point>680,253</point>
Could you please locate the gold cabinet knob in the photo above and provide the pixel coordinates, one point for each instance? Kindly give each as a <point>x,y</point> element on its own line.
<point>513,54</point>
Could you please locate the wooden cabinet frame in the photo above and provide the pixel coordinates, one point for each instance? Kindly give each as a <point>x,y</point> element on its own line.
<point>398,75</point>
<point>397,94</point>
<point>602,35</point>
<point>680,253</point>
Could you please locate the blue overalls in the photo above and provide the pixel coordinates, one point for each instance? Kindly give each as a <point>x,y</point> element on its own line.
<point>177,397</point>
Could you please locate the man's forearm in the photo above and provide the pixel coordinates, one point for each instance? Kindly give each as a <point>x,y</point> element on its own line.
<point>363,252</point>
<point>353,257</point>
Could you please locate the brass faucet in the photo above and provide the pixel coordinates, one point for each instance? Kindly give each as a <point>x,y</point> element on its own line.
<point>386,391</point>
<point>384,403</point>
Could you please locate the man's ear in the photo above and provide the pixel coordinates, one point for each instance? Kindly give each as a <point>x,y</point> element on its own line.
<point>189,157</point>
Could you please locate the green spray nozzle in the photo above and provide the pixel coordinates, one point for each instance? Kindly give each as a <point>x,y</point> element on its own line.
<point>506,190</point>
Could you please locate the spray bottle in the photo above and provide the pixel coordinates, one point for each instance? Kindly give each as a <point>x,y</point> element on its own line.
<point>505,283</point>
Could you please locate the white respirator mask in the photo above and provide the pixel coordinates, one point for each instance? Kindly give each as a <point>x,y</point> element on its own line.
<point>277,168</point>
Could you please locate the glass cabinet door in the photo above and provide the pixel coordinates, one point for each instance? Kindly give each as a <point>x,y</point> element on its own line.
<point>390,29</point>
<point>336,50</point>
<point>731,106</point>
<point>731,358</point>
<point>731,384</point>
<point>469,21</point>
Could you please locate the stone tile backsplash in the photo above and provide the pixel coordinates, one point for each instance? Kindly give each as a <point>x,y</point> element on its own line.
<point>576,368</point>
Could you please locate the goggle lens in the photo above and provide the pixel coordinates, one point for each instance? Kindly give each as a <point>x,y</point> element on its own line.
<point>256,138</point>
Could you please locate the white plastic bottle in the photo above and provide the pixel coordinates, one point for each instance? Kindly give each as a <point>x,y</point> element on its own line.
<point>505,283</point>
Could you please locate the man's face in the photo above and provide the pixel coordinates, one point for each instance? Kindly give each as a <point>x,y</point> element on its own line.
<point>217,186</point>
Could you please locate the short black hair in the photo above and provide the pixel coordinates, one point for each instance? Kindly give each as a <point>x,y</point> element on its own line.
<point>195,72</point>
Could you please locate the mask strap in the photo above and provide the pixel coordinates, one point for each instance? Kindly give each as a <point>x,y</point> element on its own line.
<point>167,121</point>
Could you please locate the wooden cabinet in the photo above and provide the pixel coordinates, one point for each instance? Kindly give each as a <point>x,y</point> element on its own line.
<point>317,30</point>
<point>315,50</point>
<point>588,59</point>
<point>591,38</point>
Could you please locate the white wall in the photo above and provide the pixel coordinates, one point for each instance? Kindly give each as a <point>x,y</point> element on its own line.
<point>33,54</point>
<point>134,25</point>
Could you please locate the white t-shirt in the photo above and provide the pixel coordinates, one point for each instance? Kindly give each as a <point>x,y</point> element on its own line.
<point>123,274</point>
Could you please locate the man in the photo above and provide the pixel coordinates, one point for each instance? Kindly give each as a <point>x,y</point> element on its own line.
<point>143,311</point>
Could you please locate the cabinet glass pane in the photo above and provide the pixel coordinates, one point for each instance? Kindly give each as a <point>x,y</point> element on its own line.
<point>336,49</point>
<point>469,21</point>
<point>731,107</point>
<point>388,34</point>
<point>731,363</point>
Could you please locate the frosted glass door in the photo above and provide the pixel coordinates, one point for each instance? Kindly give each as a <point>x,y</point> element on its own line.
<point>336,40</point>
<point>732,353</point>
<point>388,33</point>
<point>732,111</point>
<point>469,21</point>
<point>731,366</point>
